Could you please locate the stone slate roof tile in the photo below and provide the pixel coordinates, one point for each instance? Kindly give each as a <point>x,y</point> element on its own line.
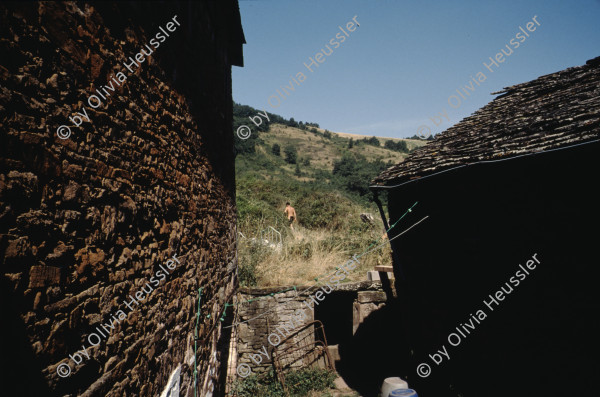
<point>553,111</point>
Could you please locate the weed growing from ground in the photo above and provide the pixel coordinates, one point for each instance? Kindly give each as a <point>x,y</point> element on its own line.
<point>299,383</point>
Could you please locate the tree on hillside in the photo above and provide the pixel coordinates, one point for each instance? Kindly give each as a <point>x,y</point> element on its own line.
<point>351,143</point>
<point>399,146</point>
<point>243,146</point>
<point>276,150</point>
<point>297,171</point>
<point>373,141</point>
<point>243,112</point>
<point>354,173</point>
<point>345,167</point>
<point>291,154</point>
<point>370,141</point>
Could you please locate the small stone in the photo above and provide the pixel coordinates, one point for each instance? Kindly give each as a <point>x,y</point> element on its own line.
<point>52,81</point>
<point>37,300</point>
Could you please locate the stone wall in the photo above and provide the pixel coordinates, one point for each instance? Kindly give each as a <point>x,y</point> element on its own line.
<point>269,311</point>
<point>366,303</point>
<point>264,315</point>
<point>85,222</point>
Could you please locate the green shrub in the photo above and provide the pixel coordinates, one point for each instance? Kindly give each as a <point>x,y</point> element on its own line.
<point>354,173</point>
<point>299,383</point>
<point>291,154</point>
<point>320,210</point>
<point>251,254</point>
<point>247,275</point>
<point>399,146</point>
<point>276,150</point>
<point>369,141</point>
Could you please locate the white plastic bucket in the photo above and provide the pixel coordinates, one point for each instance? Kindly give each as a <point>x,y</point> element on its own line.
<point>393,383</point>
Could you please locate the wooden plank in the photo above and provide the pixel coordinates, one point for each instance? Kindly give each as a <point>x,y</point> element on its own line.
<point>384,268</point>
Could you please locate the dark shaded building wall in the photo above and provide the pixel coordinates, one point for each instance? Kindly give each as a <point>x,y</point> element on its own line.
<point>485,220</point>
<point>86,221</point>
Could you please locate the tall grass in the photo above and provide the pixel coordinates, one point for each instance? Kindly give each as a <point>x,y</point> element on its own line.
<point>328,204</point>
<point>308,253</point>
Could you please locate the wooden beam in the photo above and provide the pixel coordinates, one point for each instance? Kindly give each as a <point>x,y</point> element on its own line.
<point>384,268</point>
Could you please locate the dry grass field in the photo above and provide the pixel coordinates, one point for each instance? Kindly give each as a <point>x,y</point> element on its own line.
<point>308,254</point>
<point>322,152</point>
<point>329,230</point>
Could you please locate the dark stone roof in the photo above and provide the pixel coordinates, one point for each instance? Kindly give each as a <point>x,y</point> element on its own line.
<point>552,111</point>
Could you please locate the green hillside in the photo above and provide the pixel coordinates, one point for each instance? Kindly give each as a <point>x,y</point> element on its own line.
<point>325,176</point>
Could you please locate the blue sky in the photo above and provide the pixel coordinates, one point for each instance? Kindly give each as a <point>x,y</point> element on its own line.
<point>399,68</point>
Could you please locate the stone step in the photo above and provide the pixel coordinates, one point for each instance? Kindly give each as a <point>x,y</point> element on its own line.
<point>373,275</point>
<point>334,353</point>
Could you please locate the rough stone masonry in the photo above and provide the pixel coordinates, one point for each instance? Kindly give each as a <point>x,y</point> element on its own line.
<point>84,222</point>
